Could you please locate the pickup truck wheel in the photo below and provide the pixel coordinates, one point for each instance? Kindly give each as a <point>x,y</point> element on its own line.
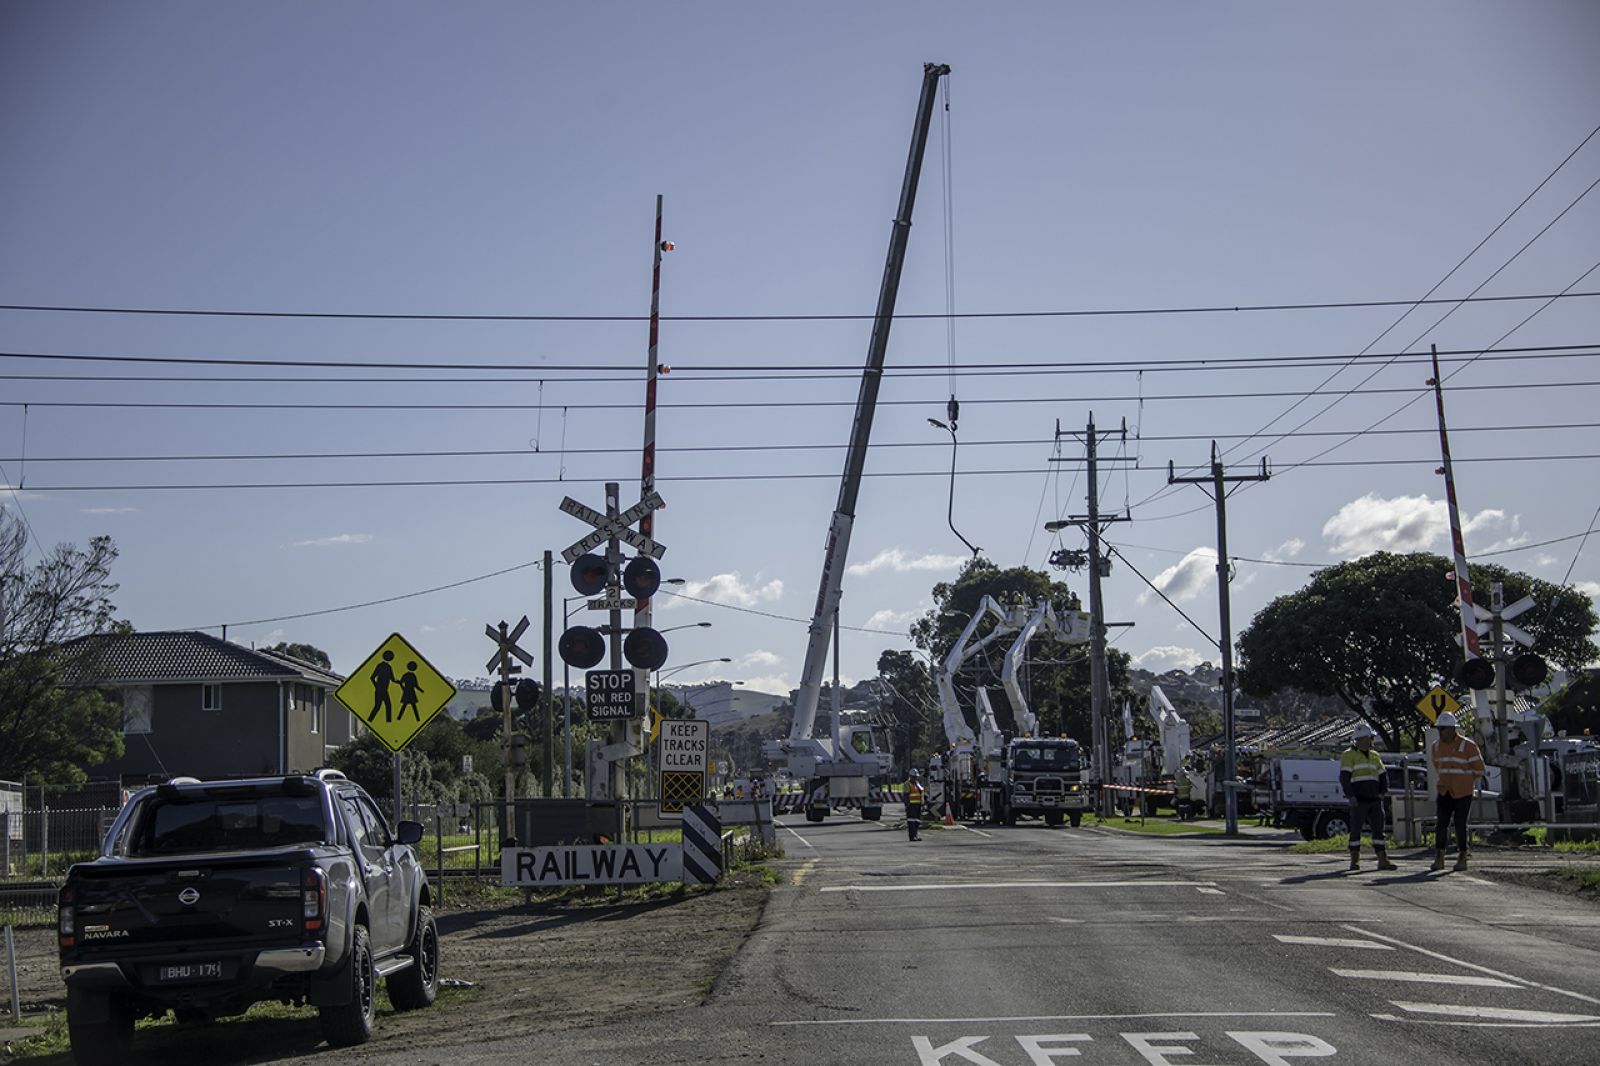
<point>417,984</point>
<point>99,1043</point>
<point>1333,824</point>
<point>349,1024</point>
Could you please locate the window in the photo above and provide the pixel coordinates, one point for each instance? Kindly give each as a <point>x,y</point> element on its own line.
<point>204,823</point>
<point>211,697</point>
<point>136,709</point>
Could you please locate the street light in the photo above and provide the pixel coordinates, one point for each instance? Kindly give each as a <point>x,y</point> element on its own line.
<point>950,515</point>
<point>687,625</point>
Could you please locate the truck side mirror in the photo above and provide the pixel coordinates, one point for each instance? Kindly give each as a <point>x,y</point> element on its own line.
<point>408,832</point>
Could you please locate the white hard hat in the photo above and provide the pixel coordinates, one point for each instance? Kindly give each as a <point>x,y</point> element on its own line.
<point>1362,729</point>
<point>1447,720</point>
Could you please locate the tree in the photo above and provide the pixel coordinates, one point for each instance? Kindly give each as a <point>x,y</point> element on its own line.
<point>47,730</point>
<point>1378,632</point>
<point>913,705</point>
<point>1059,676</point>
<point>306,653</point>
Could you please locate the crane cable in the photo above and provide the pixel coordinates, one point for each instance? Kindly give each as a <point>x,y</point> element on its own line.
<point>952,409</point>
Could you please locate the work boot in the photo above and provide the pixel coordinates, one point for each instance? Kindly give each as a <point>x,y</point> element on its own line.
<point>1355,860</point>
<point>1438,861</point>
<point>1384,863</point>
<point>1461,860</point>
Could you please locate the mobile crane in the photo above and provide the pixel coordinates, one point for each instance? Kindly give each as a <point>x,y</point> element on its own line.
<point>843,765</point>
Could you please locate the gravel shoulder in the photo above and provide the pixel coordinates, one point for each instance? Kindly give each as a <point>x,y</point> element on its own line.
<point>532,968</point>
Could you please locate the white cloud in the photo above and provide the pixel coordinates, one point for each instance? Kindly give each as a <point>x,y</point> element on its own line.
<point>890,620</point>
<point>897,560</point>
<point>1413,523</point>
<point>1287,550</point>
<point>1166,657</point>
<point>1188,578</point>
<point>1590,589</point>
<point>772,684</point>
<point>1545,559</point>
<point>108,510</point>
<point>760,657</point>
<point>338,539</point>
<point>12,492</point>
<point>729,588</point>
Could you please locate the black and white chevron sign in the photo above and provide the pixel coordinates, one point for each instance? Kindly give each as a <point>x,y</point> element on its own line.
<point>702,846</point>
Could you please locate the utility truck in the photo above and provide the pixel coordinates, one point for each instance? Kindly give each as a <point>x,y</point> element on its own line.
<point>1152,765</point>
<point>1001,776</point>
<point>845,764</point>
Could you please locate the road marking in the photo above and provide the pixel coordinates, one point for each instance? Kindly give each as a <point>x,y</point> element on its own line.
<point>1210,891</point>
<point>1015,884</point>
<point>1060,1018</point>
<point>797,836</point>
<point>1474,880</point>
<point>1332,942</point>
<point>1498,1014</point>
<point>969,829</point>
<point>805,871</point>
<point>1418,978</point>
<point>1473,966</point>
<point>1068,921</point>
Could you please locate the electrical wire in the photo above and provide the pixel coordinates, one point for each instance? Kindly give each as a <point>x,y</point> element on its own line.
<point>1157,590</point>
<point>779,617</point>
<point>1105,312</point>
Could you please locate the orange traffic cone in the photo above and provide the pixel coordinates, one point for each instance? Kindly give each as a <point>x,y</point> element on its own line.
<point>947,819</point>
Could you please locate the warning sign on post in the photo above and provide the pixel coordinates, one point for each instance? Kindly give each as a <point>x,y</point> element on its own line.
<point>682,755</point>
<point>613,695</point>
<point>395,692</point>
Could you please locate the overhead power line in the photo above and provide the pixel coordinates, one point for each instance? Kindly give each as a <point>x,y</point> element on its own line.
<point>1105,312</point>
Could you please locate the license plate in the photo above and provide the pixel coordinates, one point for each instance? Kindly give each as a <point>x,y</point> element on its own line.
<point>190,971</point>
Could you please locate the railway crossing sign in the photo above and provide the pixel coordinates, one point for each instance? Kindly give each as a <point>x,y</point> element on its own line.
<point>682,753</point>
<point>507,643</point>
<point>1437,702</point>
<point>606,527</point>
<point>395,692</point>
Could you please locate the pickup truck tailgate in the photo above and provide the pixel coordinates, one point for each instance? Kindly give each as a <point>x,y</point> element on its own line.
<point>217,901</point>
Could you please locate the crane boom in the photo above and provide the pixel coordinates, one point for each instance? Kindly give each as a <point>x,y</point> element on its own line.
<point>838,543</point>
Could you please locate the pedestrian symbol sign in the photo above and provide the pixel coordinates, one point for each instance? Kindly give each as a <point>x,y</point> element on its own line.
<point>1437,702</point>
<point>395,692</point>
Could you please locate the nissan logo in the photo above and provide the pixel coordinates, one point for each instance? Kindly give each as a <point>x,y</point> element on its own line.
<point>189,896</point>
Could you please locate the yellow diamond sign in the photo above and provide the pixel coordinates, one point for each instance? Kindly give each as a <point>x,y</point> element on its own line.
<point>1437,702</point>
<point>395,692</point>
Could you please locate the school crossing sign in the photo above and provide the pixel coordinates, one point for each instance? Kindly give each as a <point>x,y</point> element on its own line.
<point>395,692</point>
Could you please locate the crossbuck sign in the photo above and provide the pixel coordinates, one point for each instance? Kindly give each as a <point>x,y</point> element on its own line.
<point>605,528</point>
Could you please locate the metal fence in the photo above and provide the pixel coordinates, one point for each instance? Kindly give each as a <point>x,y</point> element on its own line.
<point>42,844</point>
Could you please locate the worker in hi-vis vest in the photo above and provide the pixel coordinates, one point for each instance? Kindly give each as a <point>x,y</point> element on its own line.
<point>1361,775</point>
<point>913,806</point>
<point>1459,764</point>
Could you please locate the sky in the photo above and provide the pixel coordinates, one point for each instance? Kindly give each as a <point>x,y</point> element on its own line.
<point>478,159</point>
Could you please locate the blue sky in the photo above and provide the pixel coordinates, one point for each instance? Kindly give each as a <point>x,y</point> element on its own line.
<point>504,159</point>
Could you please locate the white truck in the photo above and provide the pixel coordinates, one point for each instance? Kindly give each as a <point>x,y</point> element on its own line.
<point>1303,791</point>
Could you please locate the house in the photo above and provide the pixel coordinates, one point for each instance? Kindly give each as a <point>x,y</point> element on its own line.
<point>193,704</point>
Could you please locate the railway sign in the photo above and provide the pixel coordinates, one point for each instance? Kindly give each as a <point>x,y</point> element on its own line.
<point>395,692</point>
<point>682,754</point>
<point>611,695</point>
<point>613,603</point>
<point>507,642</point>
<point>606,527</point>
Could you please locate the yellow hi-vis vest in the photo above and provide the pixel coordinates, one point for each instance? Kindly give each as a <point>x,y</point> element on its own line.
<point>913,792</point>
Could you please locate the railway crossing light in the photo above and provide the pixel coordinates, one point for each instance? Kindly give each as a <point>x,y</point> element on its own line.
<point>645,649</point>
<point>1527,671</point>
<point>590,574</point>
<point>581,647</point>
<point>641,577</point>
<point>1476,673</point>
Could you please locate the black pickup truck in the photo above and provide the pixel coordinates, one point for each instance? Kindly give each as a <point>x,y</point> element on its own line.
<point>213,895</point>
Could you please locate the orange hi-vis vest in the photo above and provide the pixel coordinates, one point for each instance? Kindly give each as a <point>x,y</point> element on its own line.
<point>1459,766</point>
<point>913,792</point>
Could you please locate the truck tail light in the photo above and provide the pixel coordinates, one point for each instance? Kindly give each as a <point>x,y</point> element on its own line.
<point>314,897</point>
<point>68,929</point>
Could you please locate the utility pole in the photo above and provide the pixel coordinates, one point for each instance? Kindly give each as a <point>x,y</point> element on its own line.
<point>548,700</point>
<point>1218,481</point>
<point>1099,676</point>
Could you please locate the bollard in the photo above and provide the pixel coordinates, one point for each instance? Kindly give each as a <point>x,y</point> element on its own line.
<point>438,843</point>
<point>11,965</point>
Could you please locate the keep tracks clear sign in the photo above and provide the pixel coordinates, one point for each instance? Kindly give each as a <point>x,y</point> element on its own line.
<point>682,752</point>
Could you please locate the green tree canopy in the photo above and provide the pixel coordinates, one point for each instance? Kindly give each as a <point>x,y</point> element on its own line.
<point>46,730</point>
<point>306,653</point>
<point>1378,633</point>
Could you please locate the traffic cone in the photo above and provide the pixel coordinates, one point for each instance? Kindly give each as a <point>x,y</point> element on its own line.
<point>948,820</point>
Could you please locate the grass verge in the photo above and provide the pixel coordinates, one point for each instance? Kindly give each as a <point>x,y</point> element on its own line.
<point>1157,826</point>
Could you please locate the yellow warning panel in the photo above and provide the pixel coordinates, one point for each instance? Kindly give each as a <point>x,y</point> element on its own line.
<point>1437,702</point>
<point>680,789</point>
<point>395,692</point>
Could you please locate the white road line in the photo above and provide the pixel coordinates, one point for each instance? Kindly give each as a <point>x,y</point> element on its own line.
<point>1498,1014</point>
<point>1210,891</point>
<point>1060,1018</point>
<point>955,886</point>
<point>969,829</point>
<point>1068,921</point>
<point>1416,977</point>
<point>1472,966</point>
<point>792,833</point>
<point>1331,942</point>
<point>1474,880</point>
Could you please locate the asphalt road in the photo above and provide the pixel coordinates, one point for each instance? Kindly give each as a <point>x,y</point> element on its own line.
<point>1029,946</point>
